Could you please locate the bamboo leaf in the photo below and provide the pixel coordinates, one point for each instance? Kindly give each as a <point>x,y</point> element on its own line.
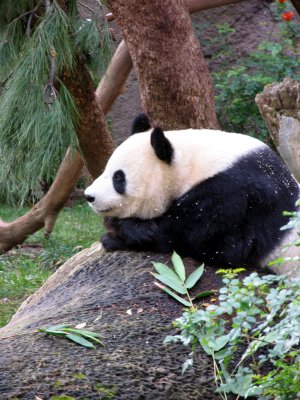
<point>90,335</point>
<point>175,285</point>
<point>80,340</point>
<point>84,332</point>
<point>53,332</point>
<point>194,277</point>
<point>57,327</point>
<point>178,265</point>
<point>172,294</point>
<point>162,269</point>
<point>201,295</point>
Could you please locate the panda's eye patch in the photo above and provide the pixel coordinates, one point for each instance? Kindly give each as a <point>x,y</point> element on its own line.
<point>119,181</point>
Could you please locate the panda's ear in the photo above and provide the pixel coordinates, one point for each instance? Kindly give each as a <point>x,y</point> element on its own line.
<point>161,145</point>
<point>141,123</point>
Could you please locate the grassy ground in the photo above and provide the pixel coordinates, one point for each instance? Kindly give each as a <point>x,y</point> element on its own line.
<point>25,269</point>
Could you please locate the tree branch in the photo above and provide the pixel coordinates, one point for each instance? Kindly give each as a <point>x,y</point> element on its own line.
<point>199,5</point>
<point>296,4</point>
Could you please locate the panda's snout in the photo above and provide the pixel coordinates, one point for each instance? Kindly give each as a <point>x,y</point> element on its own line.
<point>89,198</point>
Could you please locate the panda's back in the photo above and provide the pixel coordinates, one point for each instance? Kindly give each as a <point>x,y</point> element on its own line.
<point>201,154</point>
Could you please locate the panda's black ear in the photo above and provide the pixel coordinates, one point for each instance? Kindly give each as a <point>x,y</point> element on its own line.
<point>141,123</point>
<point>161,145</point>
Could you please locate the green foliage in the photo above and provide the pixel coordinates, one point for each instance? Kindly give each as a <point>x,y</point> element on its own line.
<point>25,269</point>
<point>294,223</point>
<point>263,319</point>
<point>38,115</point>
<point>176,280</point>
<point>80,336</point>
<point>237,86</point>
<point>252,334</point>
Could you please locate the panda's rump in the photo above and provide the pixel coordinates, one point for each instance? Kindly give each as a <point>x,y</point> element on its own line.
<point>234,217</point>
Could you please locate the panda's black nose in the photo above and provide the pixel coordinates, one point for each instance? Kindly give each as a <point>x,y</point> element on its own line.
<point>89,198</point>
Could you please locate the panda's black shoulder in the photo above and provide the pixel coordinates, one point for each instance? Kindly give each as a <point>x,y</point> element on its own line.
<point>141,123</point>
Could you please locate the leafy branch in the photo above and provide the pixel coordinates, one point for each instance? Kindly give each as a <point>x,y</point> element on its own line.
<point>176,280</point>
<point>82,337</point>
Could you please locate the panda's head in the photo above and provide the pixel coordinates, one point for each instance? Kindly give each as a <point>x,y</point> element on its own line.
<point>138,178</point>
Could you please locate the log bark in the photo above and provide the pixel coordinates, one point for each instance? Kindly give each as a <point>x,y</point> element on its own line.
<point>114,294</point>
<point>279,105</point>
<point>45,212</point>
<point>176,88</point>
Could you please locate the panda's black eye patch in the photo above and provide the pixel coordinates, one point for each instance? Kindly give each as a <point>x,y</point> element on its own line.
<point>119,181</point>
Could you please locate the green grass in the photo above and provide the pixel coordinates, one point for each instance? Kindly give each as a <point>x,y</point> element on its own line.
<point>25,269</point>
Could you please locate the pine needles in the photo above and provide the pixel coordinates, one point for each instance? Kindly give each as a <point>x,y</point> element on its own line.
<point>38,115</point>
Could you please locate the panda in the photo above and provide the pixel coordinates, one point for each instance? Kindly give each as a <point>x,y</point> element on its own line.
<point>215,196</point>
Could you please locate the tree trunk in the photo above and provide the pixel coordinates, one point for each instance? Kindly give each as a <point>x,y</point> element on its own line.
<point>45,212</point>
<point>279,105</point>
<point>176,88</point>
<point>94,137</point>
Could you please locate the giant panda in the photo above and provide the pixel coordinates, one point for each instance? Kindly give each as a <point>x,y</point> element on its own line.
<point>215,196</point>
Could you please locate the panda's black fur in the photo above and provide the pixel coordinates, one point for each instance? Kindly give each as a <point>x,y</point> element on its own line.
<point>230,219</point>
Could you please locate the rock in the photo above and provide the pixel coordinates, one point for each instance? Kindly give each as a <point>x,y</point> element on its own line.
<point>99,288</point>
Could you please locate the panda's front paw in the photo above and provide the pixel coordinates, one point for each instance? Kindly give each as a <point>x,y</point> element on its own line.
<point>111,243</point>
<point>112,225</point>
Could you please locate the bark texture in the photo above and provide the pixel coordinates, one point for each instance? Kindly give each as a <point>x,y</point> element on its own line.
<point>94,138</point>
<point>176,88</point>
<point>115,295</point>
<point>279,105</point>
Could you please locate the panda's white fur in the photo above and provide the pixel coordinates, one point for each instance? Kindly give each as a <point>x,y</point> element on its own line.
<point>199,154</point>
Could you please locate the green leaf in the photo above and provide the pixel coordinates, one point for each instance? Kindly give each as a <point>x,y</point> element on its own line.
<point>53,332</point>
<point>175,285</point>
<point>57,327</point>
<point>194,277</point>
<point>178,265</point>
<point>84,332</point>
<point>220,342</point>
<point>206,293</point>
<point>80,340</point>
<point>178,298</point>
<point>164,270</point>
<point>90,335</point>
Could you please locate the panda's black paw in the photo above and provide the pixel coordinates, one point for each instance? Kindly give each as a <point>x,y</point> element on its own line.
<point>112,244</point>
<point>112,225</point>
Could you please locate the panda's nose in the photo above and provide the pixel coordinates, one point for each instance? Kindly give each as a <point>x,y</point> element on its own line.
<point>89,198</point>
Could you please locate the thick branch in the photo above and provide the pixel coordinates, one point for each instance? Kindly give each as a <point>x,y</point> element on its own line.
<point>199,5</point>
<point>45,212</point>
<point>114,78</point>
<point>296,4</point>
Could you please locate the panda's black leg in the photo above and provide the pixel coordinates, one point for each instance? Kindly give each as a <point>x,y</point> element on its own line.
<point>113,244</point>
<point>136,234</point>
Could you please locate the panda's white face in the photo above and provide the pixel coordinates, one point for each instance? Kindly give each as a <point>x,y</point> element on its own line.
<point>135,182</point>
<point>151,169</point>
